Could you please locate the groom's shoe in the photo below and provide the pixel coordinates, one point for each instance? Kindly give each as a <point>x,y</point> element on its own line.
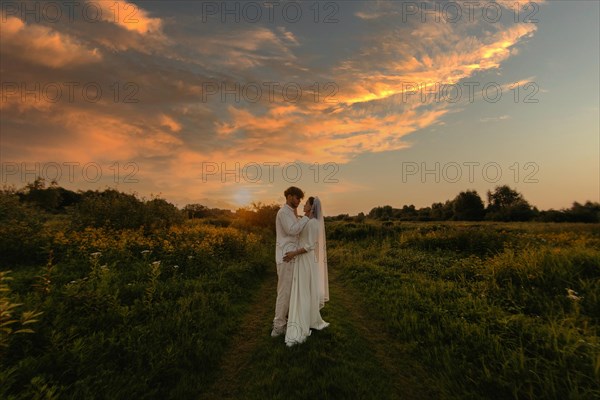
<point>278,331</point>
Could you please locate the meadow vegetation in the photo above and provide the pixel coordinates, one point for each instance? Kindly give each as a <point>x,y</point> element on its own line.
<point>108,296</point>
<point>129,311</point>
<point>492,310</point>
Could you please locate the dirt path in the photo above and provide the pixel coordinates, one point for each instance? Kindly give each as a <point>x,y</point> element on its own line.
<point>253,328</point>
<point>408,379</point>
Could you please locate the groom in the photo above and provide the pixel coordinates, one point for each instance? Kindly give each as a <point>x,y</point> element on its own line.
<point>288,226</point>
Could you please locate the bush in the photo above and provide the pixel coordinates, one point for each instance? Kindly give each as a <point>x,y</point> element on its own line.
<point>116,210</point>
<point>21,238</point>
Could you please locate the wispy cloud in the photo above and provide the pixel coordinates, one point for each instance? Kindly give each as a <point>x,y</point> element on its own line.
<point>494,119</point>
<point>173,127</point>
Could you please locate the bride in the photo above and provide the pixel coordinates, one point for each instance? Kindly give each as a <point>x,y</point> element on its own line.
<point>310,286</point>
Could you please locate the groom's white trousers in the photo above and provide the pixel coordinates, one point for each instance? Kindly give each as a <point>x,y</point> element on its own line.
<point>285,273</point>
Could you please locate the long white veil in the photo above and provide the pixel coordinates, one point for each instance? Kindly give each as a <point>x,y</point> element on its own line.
<point>321,253</point>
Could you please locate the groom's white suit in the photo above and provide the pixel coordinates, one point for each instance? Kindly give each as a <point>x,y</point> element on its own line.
<point>288,226</point>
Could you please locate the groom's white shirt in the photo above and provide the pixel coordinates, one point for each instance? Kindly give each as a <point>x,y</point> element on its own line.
<point>288,227</point>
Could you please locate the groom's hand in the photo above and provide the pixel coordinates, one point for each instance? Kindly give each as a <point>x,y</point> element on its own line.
<point>289,256</point>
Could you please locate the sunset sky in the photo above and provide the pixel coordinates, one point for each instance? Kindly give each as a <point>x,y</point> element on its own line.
<point>363,103</point>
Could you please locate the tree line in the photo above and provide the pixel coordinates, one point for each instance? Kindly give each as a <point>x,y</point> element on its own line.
<point>111,208</point>
<point>503,204</point>
<point>36,202</point>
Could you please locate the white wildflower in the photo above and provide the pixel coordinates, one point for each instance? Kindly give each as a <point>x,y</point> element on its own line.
<point>573,295</point>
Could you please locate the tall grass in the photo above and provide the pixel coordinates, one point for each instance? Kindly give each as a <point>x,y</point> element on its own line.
<point>489,310</point>
<point>492,310</point>
<point>127,314</point>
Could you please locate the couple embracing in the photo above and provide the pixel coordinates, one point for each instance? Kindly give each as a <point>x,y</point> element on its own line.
<point>300,253</point>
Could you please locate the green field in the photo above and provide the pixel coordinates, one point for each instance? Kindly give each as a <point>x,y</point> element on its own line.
<point>418,311</point>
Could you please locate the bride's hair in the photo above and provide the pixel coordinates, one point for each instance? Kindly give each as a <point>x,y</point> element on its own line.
<point>315,212</point>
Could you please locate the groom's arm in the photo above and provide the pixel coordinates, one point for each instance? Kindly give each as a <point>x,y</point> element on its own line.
<point>292,225</point>
<point>310,246</point>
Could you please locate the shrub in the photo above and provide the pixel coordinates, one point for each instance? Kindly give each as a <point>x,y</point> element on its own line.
<point>21,237</point>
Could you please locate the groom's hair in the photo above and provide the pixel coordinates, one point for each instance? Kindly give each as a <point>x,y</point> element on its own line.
<point>294,191</point>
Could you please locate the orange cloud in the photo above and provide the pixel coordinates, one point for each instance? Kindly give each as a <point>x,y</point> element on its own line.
<point>170,123</point>
<point>445,62</point>
<point>298,134</point>
<point>88,135</point>
<point>43,45</point>
<point>130,16</point>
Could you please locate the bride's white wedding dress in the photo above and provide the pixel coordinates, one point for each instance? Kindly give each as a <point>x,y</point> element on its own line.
<point>308,294</point>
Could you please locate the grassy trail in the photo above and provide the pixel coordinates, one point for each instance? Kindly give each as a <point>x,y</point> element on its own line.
<point>254,326</point>
<point>352,358</point>
<point>408,379</point>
